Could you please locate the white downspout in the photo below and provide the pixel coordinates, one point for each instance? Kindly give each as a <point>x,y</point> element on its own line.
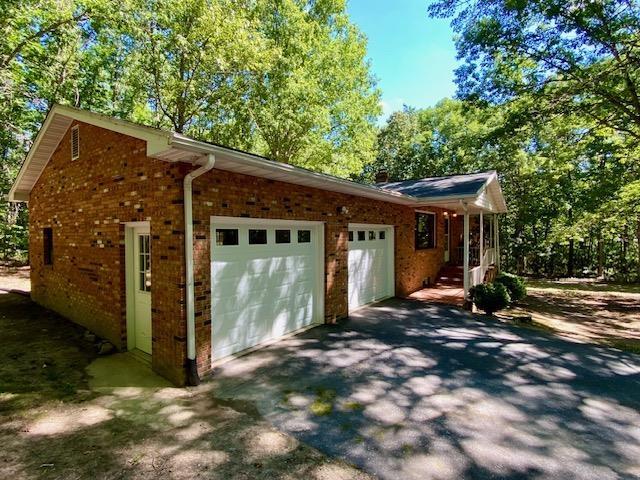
<point>192,366</point>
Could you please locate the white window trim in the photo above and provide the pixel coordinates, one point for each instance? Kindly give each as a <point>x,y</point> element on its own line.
<point>75,131</point>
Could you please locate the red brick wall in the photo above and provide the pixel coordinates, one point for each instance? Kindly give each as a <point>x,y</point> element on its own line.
<point>87,202</point>
<point>228,194</point>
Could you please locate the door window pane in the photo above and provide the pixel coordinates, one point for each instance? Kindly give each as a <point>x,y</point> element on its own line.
<point>257,237</point>
<point>304,236</point>
<point>144,263</point>
<point>381,234</point>
<point>372,235</point>
<point>283,236</point>
<point>226,236</point>
<point>361,235</point>
<point>351,235</point>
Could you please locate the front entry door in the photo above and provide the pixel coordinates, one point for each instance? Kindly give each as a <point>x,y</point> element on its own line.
<point>142,288</point>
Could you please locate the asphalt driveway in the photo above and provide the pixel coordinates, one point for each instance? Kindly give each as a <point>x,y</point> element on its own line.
<point>409,390</point>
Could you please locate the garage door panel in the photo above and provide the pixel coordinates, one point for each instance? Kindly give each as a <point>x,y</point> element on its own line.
<point>243,290</point>
<point>262,266</point>
<point>237,303</point>
<point>369,265</point>
<point>261,292</point>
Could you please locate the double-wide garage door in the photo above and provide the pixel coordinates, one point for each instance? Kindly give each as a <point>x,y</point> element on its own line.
<point>371,264</point>
<point>266,281</point>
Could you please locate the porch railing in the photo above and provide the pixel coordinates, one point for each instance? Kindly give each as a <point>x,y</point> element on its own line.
<point>474,255</point>
<point>477,274</point>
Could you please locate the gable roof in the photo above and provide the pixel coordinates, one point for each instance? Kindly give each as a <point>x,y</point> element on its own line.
<point>452,185</point>
<point>174,147</point>
<point>447,190</point>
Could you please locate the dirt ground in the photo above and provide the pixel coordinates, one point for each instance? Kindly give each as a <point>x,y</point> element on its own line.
<point>54,426</point>
<point>585,310</point>
<point>14,278</point>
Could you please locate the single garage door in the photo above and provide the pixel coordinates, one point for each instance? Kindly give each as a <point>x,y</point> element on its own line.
<point>266,281</point>
<point>371,264</point>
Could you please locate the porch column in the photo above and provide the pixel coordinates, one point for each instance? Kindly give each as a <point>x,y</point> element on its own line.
<point>496,237</point>
<point>492,229</point>
<point>465,268</point>
<point>481,242</point>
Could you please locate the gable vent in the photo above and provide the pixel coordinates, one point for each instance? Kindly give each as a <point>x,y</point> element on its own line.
<point>75,143</point>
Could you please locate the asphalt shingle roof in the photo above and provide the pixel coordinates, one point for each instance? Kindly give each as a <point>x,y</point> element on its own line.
<point>453,185</point>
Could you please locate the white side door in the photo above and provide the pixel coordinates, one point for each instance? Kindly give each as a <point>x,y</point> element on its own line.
<point>266,281</point>
<point>142,288</point>
<point>371,264</point>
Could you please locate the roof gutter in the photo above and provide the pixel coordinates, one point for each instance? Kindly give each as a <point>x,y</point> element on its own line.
<point>193,378</point>
<point>180,141</point>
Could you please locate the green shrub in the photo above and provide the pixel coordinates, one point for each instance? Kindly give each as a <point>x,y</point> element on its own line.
<point>490,297</point>
<point>515,285</point>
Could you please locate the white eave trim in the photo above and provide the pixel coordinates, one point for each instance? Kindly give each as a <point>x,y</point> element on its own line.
<point>55,126</point>
<point>293,174</point>
<point>171,146</point>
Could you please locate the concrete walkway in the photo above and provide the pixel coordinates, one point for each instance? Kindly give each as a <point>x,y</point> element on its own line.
<point>415,391</point>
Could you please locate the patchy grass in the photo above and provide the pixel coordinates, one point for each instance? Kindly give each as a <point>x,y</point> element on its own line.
<point>52,426</point>
<point>584,310</point>
<point>583,285</point>
<point>354,406</point>
<point>323,403</point>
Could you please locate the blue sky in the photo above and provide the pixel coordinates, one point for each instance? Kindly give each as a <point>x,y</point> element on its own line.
<point>412,55</point>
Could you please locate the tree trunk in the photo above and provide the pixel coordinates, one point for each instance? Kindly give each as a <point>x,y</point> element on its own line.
<point>571,259</point>
<point>638,240</point>
<point>601,254</point>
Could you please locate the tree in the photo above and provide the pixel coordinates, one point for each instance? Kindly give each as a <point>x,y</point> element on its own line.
<point>574,56</point>
<point>283,78</point>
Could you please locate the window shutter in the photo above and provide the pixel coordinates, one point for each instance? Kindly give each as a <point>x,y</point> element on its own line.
<point>75,143</point>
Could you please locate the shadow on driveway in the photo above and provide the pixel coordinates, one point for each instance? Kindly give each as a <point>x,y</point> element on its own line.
<point>410,390</point>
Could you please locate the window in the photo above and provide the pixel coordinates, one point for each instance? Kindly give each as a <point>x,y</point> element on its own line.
<point>381,234</point>
<point>425,230</point>
<point>361,235</point>
<point>144,265</point>
<point>351,235</point>
<point>304,236</point>
<point>75,143</point>
<point>283,236</point>
<point>372,235</point>
<point>47,245</point>
<point>226,236</point>
<point>257,237</point>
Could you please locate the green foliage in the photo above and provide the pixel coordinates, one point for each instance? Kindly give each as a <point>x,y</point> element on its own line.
<point>514,285</point>
<point>490,297</point>
<point>283,78</point>
<point>578,57</point>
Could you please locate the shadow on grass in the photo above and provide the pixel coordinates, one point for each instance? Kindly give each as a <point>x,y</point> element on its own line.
<point>53,426</point>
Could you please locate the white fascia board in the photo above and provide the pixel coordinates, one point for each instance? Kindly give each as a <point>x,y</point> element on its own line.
<point>156,141</point>
<point>180,141</point>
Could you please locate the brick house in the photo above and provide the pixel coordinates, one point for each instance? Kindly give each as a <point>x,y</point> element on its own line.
<point>271,248</point>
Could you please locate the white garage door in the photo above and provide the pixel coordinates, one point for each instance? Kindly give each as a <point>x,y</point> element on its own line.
<point>371,264</point>
<point>266,281</point>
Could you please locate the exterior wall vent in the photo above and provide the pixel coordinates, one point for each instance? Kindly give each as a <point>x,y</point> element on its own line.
<point>75,143</point>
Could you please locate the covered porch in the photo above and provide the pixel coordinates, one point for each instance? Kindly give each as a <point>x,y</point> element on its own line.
<point>471,257</point>
<point>473,203</point>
